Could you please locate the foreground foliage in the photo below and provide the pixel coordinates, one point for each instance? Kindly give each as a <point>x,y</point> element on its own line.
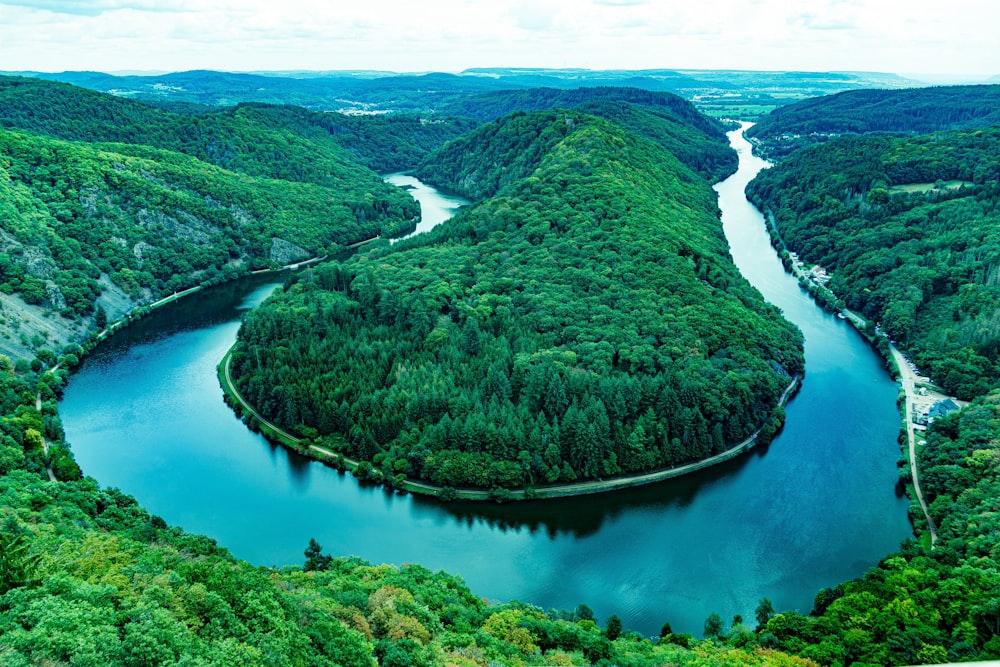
<point>586,321</point>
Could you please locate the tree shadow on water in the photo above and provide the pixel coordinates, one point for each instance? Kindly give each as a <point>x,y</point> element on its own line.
<point>581,516</point>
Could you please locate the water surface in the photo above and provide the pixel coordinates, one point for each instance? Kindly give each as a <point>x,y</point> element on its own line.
<point>816,507</point>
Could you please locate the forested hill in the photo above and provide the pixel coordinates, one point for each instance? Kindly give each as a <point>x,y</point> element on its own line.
<point>479,164</point>
<point>585,321</point>
<point>908,111</point>
<point>697,140</point>
<point>908,229</point>
<point>110,203</point>
<point>283,142</point>
<point>495,104</point>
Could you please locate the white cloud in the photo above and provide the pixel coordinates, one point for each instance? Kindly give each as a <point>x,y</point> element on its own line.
<point>93,7</point>
<point>451,35</point>
<point>533,16</point>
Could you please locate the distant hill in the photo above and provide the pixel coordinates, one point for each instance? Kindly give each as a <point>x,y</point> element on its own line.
<point>667,119</point>
<point>731,93</point>
<point>253,138</point>
<point>351,92</point>
<point>909,111</point>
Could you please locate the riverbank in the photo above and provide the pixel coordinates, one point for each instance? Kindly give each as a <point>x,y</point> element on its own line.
<point>814,282</point>
<point>817,507</point>
<point>365,472</point>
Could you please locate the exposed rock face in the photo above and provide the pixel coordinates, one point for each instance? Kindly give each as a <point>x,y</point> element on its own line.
<point>284,252</point>
<point>24,328</point>
<point>184,225</point>
<point>37,262</point>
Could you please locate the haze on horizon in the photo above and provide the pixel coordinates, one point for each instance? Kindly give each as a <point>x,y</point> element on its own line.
<point>920,37</point>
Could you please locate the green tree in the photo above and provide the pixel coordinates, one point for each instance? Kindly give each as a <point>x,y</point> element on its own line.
<point>17,564</point>
<point>763,613</point>
<point>713,626</point>
<point>614,627</point>
<point>100,318</point>
<point>315,558</point>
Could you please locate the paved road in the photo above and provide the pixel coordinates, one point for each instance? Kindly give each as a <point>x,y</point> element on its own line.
<point>45,444</point>
<point>908,378</point>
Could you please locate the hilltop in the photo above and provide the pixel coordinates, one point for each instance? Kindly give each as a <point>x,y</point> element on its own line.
<point>584,319</point>
<point>909,111</point>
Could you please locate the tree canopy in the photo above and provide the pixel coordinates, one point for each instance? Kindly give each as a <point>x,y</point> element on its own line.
<point>907,228</point>
<point>585,320</point>
<point>908,111</point>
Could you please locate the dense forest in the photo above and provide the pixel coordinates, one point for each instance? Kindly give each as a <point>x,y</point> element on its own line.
<point>280,142</point>
<point>696,140</point>
<point>585,320</point>
<point>501,303</point>
<point>909,111</point>
<point>907,228</point>
<point>108,202</point>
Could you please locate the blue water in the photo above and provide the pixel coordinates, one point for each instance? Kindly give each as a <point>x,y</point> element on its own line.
<point>816,507</point>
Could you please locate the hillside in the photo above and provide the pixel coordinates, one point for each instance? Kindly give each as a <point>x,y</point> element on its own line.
<point>697,140</point>
<point>584,320</point>
<point>383,142</point>
<point>261,140</point>
<point>109,204</point>
<point>907,228</point>
<point>908,111</point>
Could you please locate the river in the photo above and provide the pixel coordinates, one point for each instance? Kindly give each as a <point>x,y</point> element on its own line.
<point>818,506</point>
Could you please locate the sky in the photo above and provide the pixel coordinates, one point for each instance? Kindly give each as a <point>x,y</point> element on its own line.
<point>899,36</point>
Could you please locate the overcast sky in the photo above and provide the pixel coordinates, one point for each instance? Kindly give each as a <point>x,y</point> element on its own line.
<point>899,36</point>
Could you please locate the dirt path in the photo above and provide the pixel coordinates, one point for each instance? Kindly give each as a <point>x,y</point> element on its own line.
<point>45,443</point>
<point>908,379</point>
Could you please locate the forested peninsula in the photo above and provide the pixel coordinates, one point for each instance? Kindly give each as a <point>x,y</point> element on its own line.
<point>583,320</point>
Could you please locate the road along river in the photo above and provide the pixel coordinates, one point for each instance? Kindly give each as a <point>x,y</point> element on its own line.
<point>816,507</point>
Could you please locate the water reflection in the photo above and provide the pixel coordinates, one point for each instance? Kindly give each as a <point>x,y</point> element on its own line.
<point>814,508</point>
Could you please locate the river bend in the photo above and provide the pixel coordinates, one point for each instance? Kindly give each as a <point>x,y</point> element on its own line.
<point>816,507</point>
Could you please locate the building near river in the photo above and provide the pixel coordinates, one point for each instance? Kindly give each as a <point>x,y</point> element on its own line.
<point>935,411</point>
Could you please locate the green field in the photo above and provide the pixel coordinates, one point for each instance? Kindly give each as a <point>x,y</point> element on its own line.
<point>927,187</point>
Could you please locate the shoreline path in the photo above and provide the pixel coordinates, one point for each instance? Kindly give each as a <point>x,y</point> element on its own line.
<point>552,491</point>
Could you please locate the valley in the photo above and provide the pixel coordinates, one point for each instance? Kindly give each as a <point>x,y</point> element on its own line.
<point>596,310</point>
